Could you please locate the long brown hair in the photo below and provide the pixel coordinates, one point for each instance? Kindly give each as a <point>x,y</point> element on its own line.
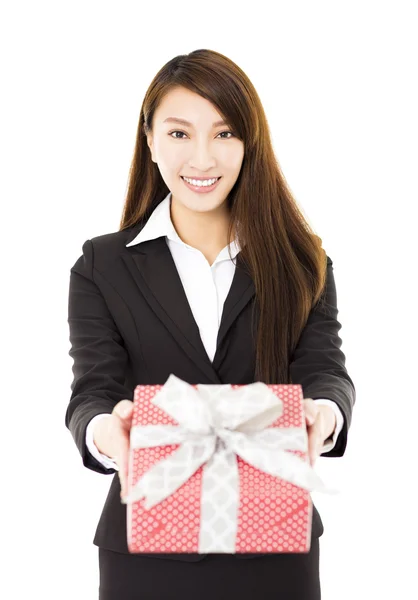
<point>283,255</point>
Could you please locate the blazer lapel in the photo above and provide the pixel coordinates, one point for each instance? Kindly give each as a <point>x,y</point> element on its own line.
<point>154,271</point>
<point>241,292</point>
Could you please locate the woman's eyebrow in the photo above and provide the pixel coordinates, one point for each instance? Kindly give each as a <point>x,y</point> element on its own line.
<point>184,122</point>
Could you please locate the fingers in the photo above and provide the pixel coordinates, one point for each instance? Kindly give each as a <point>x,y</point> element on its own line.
<point>315,426</point>
<point>314,440</point>
<point>122,459</point>
<point>124,411</point>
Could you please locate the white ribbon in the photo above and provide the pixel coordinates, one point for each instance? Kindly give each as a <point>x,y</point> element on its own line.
<point>217,424</point>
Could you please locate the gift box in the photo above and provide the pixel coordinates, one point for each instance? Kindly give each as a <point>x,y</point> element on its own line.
<point>219,469</point>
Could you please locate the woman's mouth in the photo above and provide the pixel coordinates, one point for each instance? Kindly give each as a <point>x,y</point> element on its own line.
<point>203,186</point>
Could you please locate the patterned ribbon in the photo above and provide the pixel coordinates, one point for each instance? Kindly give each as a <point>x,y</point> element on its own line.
<point>217,424</point>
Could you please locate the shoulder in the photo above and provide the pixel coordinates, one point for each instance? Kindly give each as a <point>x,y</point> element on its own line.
<point>113,242</point>
<point>100,251</point>
<point>109,246</point>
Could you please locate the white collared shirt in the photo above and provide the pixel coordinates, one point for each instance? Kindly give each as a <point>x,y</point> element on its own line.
<point>206,287</point>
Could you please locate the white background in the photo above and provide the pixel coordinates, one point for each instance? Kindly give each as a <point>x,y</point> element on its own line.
<point>338,83</point>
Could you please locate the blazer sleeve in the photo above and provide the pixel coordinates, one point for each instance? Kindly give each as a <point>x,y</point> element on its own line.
<point>318,363</point>
<point>99,356</point>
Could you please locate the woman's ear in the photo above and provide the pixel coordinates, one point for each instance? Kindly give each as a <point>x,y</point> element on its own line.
<point>150,143</point>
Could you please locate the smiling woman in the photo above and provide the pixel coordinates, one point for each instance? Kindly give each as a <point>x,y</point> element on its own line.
<point>224,134</point>
<point>216,277</point>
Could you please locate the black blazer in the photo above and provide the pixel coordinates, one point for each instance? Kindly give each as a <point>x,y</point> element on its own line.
<point>130,323</point>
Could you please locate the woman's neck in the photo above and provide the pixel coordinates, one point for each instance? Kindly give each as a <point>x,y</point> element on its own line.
<point>206,231</point>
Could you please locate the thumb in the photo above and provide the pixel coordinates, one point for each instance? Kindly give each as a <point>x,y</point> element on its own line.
<point>124,409</point>
<point>310,410</point>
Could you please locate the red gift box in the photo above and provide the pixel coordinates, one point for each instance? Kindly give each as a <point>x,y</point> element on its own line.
<point>269,512</point>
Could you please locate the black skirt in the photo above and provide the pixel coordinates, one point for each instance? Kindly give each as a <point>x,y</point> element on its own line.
<point>216,577</point>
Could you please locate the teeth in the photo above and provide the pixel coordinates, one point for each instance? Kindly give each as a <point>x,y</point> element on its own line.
<point>200,182</point>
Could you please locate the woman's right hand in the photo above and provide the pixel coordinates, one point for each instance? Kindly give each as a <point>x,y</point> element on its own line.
<point>112,437</point>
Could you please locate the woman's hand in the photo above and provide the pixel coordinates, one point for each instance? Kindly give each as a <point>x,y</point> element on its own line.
<point>320,423</point>
<point>112,437</point>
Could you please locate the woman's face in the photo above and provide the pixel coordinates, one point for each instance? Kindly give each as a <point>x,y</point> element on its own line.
<point>200,150</point>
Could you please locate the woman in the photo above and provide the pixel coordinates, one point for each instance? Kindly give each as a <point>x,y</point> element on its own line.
<point>215,276</point>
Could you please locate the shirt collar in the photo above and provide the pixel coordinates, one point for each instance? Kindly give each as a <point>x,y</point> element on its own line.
<point>160,224</point>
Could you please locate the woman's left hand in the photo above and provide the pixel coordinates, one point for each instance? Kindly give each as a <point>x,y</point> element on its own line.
<point>320,424</point>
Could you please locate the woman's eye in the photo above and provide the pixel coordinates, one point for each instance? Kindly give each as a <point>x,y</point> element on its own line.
<point>227,132</point>
<point>176,138</point>
<point>182,132</point>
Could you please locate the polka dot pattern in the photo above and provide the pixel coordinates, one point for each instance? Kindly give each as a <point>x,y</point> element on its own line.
<point>274,515</point>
